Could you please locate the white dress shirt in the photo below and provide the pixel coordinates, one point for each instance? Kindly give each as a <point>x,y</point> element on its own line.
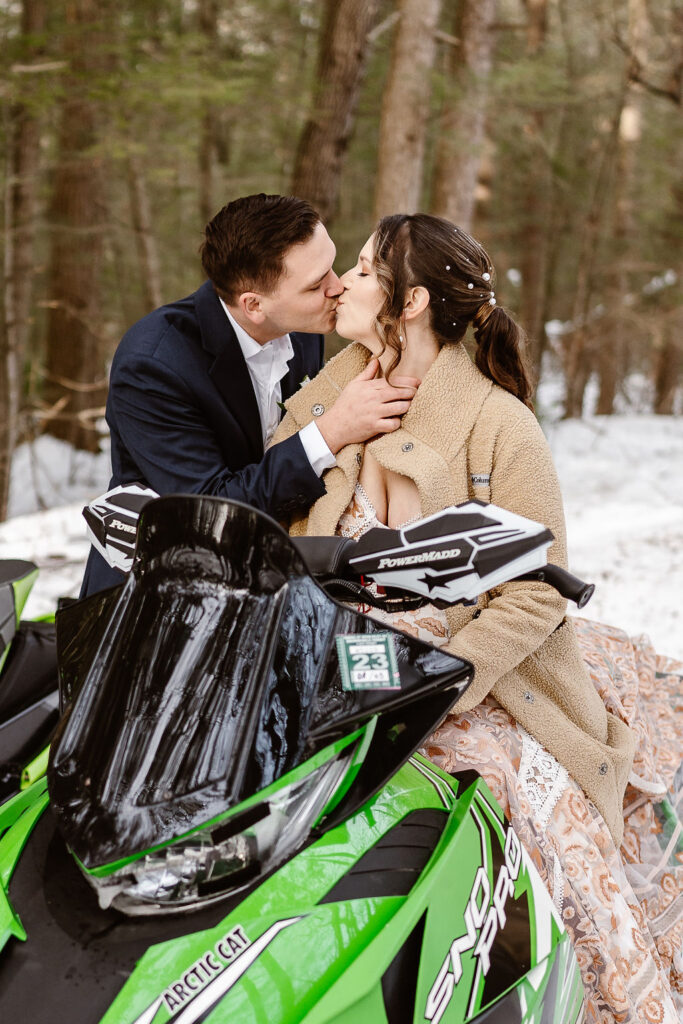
<point>267,365</point>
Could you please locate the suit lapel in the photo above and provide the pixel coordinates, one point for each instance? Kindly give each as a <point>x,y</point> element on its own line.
<point>229,370</point>
<point>295,372</point>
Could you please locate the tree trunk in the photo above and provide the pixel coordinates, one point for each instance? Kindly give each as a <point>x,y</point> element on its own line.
<point>144,236</point>
<point>669,369</point>
<point>406,109</point>
<point>20,193</point>
<point>463,116</point>
<point>208,18</point>
<point>612,358</point>
<point>576,357</point>
<point>535,202</point>
<point>325,137</point>
<point>75,365</point>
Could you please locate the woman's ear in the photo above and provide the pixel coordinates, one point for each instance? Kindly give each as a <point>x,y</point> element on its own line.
<point>416,302</point>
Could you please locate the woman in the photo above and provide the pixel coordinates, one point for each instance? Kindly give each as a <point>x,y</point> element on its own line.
<point>533,722</point>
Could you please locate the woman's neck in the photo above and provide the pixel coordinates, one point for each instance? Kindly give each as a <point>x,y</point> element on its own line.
<point>420,351</point>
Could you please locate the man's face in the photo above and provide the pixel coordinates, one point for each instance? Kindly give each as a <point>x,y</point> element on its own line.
<point>305,297</point>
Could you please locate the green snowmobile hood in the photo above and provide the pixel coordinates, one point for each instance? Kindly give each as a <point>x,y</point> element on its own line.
<point>426,888</point>
<point>311,941</point>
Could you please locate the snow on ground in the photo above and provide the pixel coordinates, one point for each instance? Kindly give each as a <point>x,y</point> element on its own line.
<point>622,482</point>
<point>621,477</point>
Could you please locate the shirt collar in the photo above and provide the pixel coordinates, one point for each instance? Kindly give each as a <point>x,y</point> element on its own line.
<point>278,349</point>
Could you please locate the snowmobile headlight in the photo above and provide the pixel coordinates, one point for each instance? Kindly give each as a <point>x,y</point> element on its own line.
<point>209,864</point>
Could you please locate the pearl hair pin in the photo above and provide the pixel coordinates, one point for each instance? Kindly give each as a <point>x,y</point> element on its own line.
<point>486,277</point>
<point>470,285</point>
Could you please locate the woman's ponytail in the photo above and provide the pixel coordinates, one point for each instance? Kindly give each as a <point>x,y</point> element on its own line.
<point>500,351</point>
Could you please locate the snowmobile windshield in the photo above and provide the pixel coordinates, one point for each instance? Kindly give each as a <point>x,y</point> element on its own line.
<point>214,673</point>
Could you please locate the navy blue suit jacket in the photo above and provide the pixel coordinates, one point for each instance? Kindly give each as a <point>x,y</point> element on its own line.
<point>184,419</point>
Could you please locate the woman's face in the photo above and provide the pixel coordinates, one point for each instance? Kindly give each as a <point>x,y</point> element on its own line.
<point>361,301</point>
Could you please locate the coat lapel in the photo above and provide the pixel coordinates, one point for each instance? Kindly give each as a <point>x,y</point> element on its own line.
<point>424,448</point>
<point>436,427</point>
<point>229,370</point>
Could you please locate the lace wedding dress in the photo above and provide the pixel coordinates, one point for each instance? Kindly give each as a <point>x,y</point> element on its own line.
<point>623,908</point>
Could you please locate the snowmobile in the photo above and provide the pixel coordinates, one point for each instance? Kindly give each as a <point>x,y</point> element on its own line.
<point>236,824</point>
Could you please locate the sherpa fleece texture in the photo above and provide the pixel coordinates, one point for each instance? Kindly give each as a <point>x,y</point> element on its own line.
<point>464,437</point>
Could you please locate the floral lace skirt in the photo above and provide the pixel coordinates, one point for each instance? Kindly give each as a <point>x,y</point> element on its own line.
<point>623,908</point>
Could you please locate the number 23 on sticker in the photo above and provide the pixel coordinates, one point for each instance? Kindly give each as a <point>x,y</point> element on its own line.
<point>368,662</point>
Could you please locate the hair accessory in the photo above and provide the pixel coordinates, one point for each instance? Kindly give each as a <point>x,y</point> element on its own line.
<point>448,266</point>
<point>470,284</point>
<point>484,312</point>
<point>486,277</point>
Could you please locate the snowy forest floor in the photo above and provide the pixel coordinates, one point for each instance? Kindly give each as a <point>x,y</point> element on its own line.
<point>621,481</point>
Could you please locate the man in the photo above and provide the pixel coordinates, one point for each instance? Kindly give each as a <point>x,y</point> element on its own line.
<point>196,386</point>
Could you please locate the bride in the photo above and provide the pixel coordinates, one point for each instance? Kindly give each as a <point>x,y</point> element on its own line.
<point>554,716</point>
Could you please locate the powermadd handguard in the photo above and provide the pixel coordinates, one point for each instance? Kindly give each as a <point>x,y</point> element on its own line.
<point>449,558</point>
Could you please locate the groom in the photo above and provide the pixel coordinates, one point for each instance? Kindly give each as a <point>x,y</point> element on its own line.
<point>196,386</point>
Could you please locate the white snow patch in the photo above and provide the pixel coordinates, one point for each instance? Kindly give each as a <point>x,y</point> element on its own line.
<point>623,492</point>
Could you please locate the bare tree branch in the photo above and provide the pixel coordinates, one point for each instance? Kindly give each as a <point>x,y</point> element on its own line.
<point>635,74</point>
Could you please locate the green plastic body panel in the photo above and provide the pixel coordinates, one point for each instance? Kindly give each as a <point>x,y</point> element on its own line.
<point>281,956</point>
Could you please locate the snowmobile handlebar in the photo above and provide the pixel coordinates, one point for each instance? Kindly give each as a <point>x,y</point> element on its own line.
<point>450,557</point>
<point>328,558</point>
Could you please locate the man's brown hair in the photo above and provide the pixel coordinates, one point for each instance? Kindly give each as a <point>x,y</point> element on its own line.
<point>246,243</point>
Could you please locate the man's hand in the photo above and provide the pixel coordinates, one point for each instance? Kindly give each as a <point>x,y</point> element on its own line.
<point>367,406</point>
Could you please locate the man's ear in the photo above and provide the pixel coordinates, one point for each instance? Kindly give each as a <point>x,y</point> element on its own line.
<point>250,305</point>
<point>416,302</point>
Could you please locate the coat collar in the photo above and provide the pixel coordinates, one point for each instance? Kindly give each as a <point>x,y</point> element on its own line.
<point>441,415</point>
<point>229,370</point>
<point>432,432</point>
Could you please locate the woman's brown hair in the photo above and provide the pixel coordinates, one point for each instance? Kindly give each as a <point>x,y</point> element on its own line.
<point>420,249</point>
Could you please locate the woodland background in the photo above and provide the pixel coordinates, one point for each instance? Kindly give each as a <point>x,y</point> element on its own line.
<point>551,129</point>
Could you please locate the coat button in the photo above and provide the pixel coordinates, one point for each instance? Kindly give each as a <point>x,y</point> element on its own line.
<point>529,697</point>
<point>603,768</point>
<point>407,447</point>
<point>318,409</point>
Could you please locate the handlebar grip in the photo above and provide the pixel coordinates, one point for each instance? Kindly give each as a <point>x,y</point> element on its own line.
<point>564,582</point>
<point>324,556</point>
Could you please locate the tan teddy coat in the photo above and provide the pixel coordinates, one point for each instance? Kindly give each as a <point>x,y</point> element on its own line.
<point>464,437</point>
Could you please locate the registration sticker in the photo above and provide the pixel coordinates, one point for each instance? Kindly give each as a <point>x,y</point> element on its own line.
<point>368,662</point>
